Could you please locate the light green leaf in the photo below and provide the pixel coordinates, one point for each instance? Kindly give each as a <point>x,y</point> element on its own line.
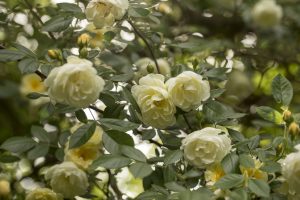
<point>140,170</point>
<point>259,187</point>
<point>229,181</point>
<point>282,90</point>
<point>82,135</point>
<point>269,114</point>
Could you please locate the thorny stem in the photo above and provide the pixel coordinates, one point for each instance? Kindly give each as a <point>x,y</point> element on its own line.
<point>147,44</point>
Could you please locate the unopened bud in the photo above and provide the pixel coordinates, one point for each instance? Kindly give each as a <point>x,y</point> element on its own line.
<point>83,52</point>
<point>294,129</point>
<point>55,54</point>
<point>4,188</point>
<point>287,115</point>
<point>150,68</point>
<point>83,40</point>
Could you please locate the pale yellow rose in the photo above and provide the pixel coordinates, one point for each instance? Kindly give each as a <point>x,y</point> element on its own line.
<point>82,156</point>
<point>43,194</point>
<point>129,185</point>
<point>291,171</point>
<point>105,12</point>
<point>213,174</point>
<point>266,13</point>
<point>144,63</point>
<point>255,172</point>
<point>4,188</point>
<point>67,179</point>
<point>206,147</point>
<point>153,99</point>
<point>75,83</point>
<point>188,90</point>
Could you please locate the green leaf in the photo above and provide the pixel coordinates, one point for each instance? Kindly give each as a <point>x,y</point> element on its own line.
<point>201,193</point>
<point>271,167</point>
<point>138,12</point>
<point>230,163</point>
<point>217,73</point>
<point>24,50</point>
<point>39,150</point>
<point>174,186</point>
<point>117,124</point>
<point>120,137</point>
<point>239,194</point>
<point>28,65</point>
<point>172,157</point>
<point>140,170</point>
<point>40,134</point>
<point>70,7</point>
<point>235,135</point>
<point>18,144</point>
<point>133,153</point>
<point>111,162</point>
<point>80,115</point>
<point>7,55</point>
<point>8,158</point>
<point>259,187</point>
<point>35,95</point>
<point>269,114</point>
<point>82,135</point>
<point>282,90</point>
<point>109,35</point>
<point>122,77</point>
<point>229,181</point>
<point>110,145</point>
<point>246,161</point>
<point>57,24</point>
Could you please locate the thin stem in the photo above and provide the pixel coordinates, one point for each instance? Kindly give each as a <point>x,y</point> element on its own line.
<point>40,74</point>
<point>147,44</point>
<point>187,122</point>
<point>112,183</point>
<point>36,15</point>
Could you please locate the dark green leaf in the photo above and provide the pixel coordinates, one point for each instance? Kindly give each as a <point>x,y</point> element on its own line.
<point>80,115</point>
<point>8,158</point>
<point>246,161</point>
<point>109,35</point>
<point>40,134</point>
<point>229,181</point>
<point>202,193</point>
<point>111,162</point>
<point>269,114</point>
<point>82,135</point>
<point>117,124</point>
<point>173,156</point>
<point>140,170</point>
<point>71,7</point>
<point>57,24</point>
<point>7,55</point>
<point>18,144</point>
<point>110,145</point>
<point>133,153</point>
<point>259,187</point>
<point>120,137</point>
<point>174,186</point>
<point>28,65</point>
<point>230,163</point>
<point>39,150</point>
<point>24,50</point>
<point>34,95</point>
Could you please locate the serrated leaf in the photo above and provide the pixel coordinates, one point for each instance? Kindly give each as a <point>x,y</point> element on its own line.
<point>18,144</point>
<point>259,187</point>
<point>70,7</point>
<point>57,24</point>
<point>173,156</point>
<point>28,65</point>
<point>140,170</point>
<point>282,90</point>
<point>7,55</point>
<point>229,181</point>
<point>269,114</point>
<point>40,134</point>
<point>111,162</point>
<point>81,116</point>
<point>133,153</point>
<point>117,124</point>
<point>82,135</point>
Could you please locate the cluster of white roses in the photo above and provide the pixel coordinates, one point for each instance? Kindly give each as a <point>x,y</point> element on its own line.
<point>158,100</point>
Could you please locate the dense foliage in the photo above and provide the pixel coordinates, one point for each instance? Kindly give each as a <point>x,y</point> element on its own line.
<point>149,99</point>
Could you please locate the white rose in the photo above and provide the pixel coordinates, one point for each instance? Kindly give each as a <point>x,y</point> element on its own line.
<point>266,13</point>
<point>291,170</point>
<point>206,147</point>
<point>105,12</point>
<point>76,83</point>
<point>67,179</point>
<point>188,90</point>
<point>153,99</point>
<point>143,63</point>
<point>43,193</point>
